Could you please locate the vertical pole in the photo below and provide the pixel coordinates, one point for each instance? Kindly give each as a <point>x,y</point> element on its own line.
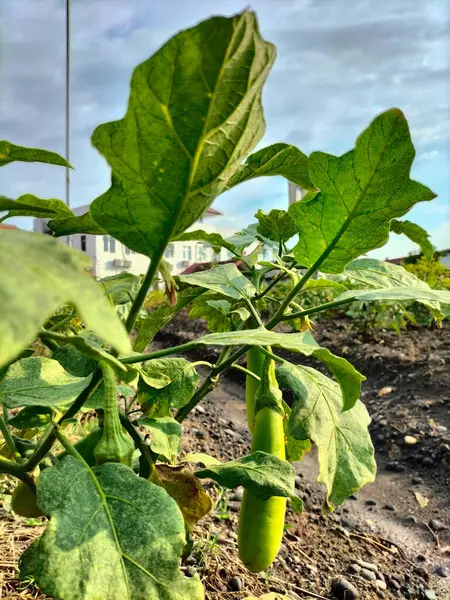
<point>69,241</point>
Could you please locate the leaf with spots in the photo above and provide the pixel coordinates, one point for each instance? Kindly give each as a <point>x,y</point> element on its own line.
<point>361,192</point>
<point>194,113</point>
<point>106,538</point>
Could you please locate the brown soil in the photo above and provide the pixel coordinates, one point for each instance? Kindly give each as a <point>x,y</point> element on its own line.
<point>384,524</point>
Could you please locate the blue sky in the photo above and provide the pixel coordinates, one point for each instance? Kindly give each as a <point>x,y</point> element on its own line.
<point>340,63</point>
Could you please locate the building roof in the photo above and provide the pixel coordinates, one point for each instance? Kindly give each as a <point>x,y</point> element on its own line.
<point>205,266</point>
<point>398,261</point>
<point>7,226</point>
<point>212,212</point>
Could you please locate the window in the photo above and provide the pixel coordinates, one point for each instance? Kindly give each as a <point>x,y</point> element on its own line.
<point>109,244</point>
<point>83,243</point>
<point>170,251</point>
<point>201,252</point>
<point>187,252</point>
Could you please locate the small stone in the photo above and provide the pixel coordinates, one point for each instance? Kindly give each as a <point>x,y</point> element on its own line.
<point>366,565</point>
<point>344,590</point>
<point>437,525</point>
<point>410,440</point>
<point>200,410</point>
<point>416,480</point>
<point>422,572</point>
<point>371,502</point>
<point>238,494</point>
<point>400,468</point>
<point>392,465</point>
<point>429,595</point>
<point>381,585</point>
<point>190,571</point>
<point>390,507</point>
<point>230,433</point>
<point>199,434</point>
<point>385,391</point>
<point>352,497</point>
<point>442,571</point>
<point>191,561</point>
<point>354,569</point>
<point>235,584</point>
<point>421,558</point>
<point>411,520</point>
<point>368,575</point>
<point>427,461</point>
<point>298,481</point>
<point>394,584</point>
<point>441,428</point>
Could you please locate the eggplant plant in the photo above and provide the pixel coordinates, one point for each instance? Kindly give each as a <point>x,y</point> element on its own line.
<point>118,504</point>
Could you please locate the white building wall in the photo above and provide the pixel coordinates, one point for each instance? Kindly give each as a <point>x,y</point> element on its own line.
<point>295,192</point>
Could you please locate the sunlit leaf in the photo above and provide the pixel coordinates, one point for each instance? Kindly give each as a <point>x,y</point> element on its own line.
<point>278,225</point>
<point>415,233</point>
<point>89,551</point>
<point>345,451</point>
<point>214,239</point>
<point>10,152</point>
<point>223,279</point>
<point>361,192</point>
<point>164,436</point>
<point>39,274</point>
<point>31,206</point>
<point>69,225</point>
<point>39,381</point>
<point>194,113</point>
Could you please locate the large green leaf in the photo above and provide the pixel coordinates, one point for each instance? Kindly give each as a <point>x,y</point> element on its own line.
<point>162,316</point>
<point>214,239</point>
<point>69,225</point>
<point>10,152</point>
<point>277,159</point>
<point>164,436</point>
<point>278,225</point>
<point>224,279</point>
<point>39,274</point>
<point>415,233</point>
<point>73,361</point>
<point>348,377</point>
<point>38,381</point>
<point>180,379</point>
<point>261,473</point>
<point>392,282</point>
<point>346,454</point>
<point>361,192</point>
<point>31,206</point>
<point>112,535</point>
<point>194,113</point>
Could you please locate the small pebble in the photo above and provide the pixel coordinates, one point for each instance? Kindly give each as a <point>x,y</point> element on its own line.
<point>394,584</point>
<point>429,595</point>
<point>410,440</point>
<point>411,520</point>
<point>442,571</point>
<point>416,480</point>
<point>368,575</point>
<point>427,461</point>
<point>392,465</point>
<point>191,561</point>
<point>354,569</point>
<point>200,410</point>
<point>381,585</point>
<point>441,428</point>
<point>190,571</point>
<point>199,434</point>
<point>344,590</point>
<point>390,507</point>
<point>421,572</point>
<point>371,502</point>
<point>366,565</point>
<point>437,525</point>
<point>235,584</point>
<point>238,494</point>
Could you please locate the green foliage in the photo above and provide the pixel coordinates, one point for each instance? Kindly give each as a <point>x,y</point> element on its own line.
<point>10,152</point>
<point>194,115</point>
<point>37,266</point>
<point>415,233</point>
<point>346,454</point>
<point>343,220</point>
<point>262,473</point>
<point>91,512</point>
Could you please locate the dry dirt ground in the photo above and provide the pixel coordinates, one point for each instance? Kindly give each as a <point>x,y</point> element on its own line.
<point>400,524</point>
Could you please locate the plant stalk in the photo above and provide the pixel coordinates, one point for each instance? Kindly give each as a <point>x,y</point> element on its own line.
<point>143,291</point>
<point>9,441</point>
<point>316,309</point>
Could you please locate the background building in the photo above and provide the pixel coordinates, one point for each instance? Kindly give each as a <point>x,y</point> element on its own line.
<point>110,257</point>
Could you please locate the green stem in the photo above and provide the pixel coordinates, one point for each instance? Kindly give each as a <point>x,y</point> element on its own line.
<point>143,291</point>
<point>129,360</point>
<point>150,457</point>
<point>9,441</point>
<point>199,363</point>
<point>11,468</point>
<point>253,312</point>
<point>61,323</point>
<point>272,284</point>
<point>4,217</point>
<point>316,309</point>
<point>272,355</point>
<point>246,371</point>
